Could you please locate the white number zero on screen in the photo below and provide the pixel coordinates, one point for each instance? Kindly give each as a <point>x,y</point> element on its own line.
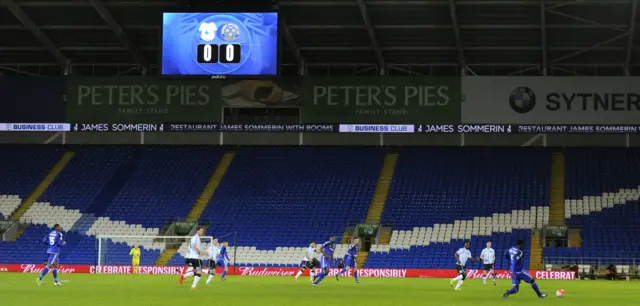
<point>229,53</point>
<point>207,53</point>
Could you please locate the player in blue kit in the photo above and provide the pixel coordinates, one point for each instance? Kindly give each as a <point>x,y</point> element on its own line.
<point>326,260</point>
<point>54,242</point>
<point>518,274</point>
<point>223,260</point>
<point>350,260</point>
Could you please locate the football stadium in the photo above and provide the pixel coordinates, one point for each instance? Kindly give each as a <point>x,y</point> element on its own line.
<point>333,152</point>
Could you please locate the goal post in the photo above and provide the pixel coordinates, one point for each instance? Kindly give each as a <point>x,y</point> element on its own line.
<point>114,249</point>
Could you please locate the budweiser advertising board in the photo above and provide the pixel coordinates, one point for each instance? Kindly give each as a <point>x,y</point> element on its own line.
<point>272,271</point>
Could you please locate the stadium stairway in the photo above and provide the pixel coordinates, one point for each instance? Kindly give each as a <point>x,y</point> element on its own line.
<point>556,195</point>
<point>377,202</point>
<point>165,257</point>
<point>385,236</point>
<point>362,259</point>
<point>42,187</point>
<point>207,193</point>
<point>379,195</point>
<point>382,188</point>
<point>535,255</point>
<point>575,238</point>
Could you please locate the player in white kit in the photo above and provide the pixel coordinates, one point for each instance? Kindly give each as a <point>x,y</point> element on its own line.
<point>192,260</point>
<point>463,255</point>
<point>488,257</point>
<point>309,261</point>
<point>214,251</point>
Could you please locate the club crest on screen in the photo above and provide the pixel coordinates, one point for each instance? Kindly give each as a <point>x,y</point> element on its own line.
<point>208,31</point>
<point>230,31</point>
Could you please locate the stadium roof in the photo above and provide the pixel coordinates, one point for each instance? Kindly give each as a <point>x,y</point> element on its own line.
<point>430,37</point>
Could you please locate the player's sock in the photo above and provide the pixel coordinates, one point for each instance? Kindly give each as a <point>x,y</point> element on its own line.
<point>210,278</point>
<point>342,272</point>
<point>457,278</point>
<point>44,272</point>
<point>513,290</point>
<point>355,274</point>
<point>493,278</point>
<point>311,274</point>
<point>55,275</point>
<point>224,273</point>
<point>299,273</point>
<point>195,281</point>
<point>536,289</point>
<point>484,279</point>
<point>320,278</point>
<point>459,284</point>
<point>190,274</point>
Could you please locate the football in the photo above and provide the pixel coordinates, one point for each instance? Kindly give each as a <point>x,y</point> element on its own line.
<point>560,293</point>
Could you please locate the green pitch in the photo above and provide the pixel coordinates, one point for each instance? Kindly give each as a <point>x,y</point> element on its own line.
<point>119,290</point>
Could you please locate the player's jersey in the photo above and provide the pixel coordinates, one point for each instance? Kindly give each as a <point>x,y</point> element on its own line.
<point>193,253</point>
<point>329,247</point>
<point>54,242</point>
<point>353,250</point>
<point>311,253</point>
<point>464,255</point>
<point>489,256</point>
<point>135,253</point>
<point>223,254</point>
<point>213,251</point>
<point>516,260</point>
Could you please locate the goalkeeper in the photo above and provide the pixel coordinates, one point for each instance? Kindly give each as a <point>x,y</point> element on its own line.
<point>135,258</point>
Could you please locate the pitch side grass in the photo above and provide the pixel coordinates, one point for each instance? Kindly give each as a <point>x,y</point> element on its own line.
<point>161,290</point>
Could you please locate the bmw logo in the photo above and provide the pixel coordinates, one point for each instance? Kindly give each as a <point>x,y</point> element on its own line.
<point>522,100</point>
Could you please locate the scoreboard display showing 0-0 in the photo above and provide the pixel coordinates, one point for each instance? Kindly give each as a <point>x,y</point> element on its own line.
<point>225,54</point>
<point>220,44</point>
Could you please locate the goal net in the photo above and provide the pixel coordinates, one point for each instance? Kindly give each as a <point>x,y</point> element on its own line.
<point>115,249</point>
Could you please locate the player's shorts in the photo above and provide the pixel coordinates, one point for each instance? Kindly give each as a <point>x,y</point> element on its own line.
<point>326,263</point>
<point>350,261</point>
<point>460,269</point>
<point>53,259</point>
<point>211,264</point>
<point>193,263</point>
<point>314,263</point>
<point>523,276</point>
<point>135,262</point>
<point>305,264</point>
<point>222,263</point>
<point>488,267</point>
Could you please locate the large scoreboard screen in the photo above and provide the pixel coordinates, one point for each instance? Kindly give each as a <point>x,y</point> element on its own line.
<point>220,44</point>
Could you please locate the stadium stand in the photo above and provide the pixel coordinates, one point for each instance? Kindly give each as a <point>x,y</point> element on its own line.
<point>272,198</point>
<point>22,169</point>
<point>443,185</point>
<point>163,183</point>
<point>441,197</point>
<point>79,184</point>
<point>439,255</point>
<point>602,190</point>
<point>279,199</point>
<point>117,191</point>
